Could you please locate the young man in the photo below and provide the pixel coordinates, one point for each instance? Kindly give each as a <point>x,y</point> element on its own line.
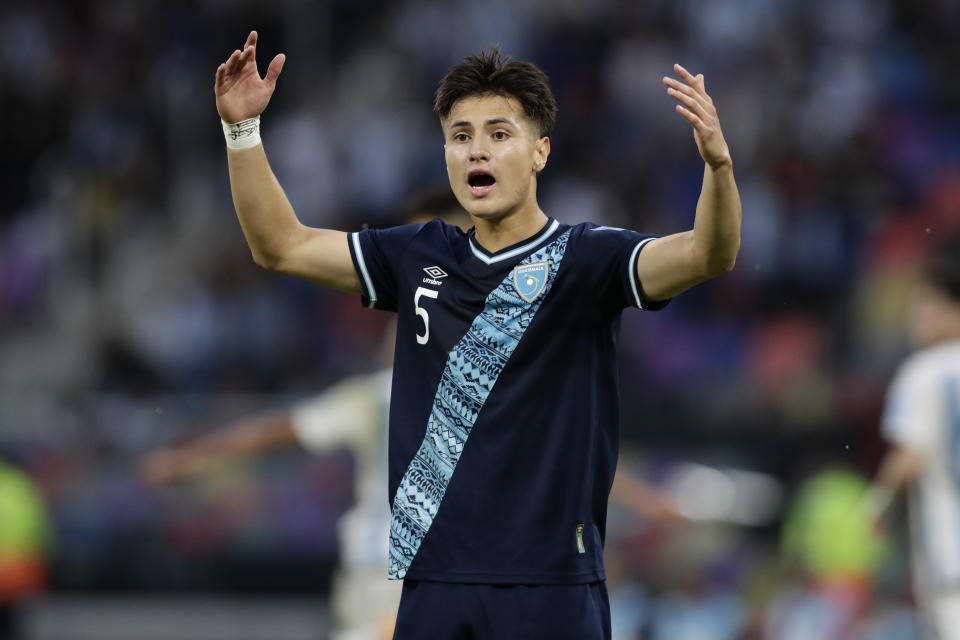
<point>922,423</point>
<point>504,412</point>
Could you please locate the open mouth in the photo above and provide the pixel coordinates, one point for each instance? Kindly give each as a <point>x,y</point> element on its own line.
<point>480,183</point>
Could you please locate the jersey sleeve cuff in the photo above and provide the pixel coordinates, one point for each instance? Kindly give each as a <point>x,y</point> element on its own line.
<point>368,296</point>
<point>638,298</point>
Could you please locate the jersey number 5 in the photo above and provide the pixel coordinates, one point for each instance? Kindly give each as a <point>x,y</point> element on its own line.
<point>420,311</point>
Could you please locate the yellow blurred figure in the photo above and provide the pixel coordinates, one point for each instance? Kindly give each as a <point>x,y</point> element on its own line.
<point>828,532</point>
<point>24,542</point>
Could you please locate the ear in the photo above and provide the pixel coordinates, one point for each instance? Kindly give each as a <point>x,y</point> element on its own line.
<point>541,151</point>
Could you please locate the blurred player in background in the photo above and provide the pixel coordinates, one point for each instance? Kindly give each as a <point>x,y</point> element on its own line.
<point>922,424</point>
<point>25,538</point>
<point>350,415</point>
<point>834,554</point>
<point>508,331</point>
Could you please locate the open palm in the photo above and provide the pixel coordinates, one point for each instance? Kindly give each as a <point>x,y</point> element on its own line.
<point>240,91</point>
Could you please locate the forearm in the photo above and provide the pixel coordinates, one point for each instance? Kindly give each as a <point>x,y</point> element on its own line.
<point>716,228</point>
<point>246,438</point>
<point>249,436</point>
<point>673,264</point>
<point>266,216</point>
<point>899,467</point>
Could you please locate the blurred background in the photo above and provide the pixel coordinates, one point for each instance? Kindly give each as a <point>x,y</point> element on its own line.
<point>132,316</point>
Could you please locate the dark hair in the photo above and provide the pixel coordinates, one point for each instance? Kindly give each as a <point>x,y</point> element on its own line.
<point>943,270</point>
<point>487,73</point>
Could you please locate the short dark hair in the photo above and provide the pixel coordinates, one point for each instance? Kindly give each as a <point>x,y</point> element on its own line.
<point>943,270</point>
<point>488,73</point>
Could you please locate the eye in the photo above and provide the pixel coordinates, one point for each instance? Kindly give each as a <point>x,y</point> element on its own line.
<point>460,137</point>
<point>500,135</point>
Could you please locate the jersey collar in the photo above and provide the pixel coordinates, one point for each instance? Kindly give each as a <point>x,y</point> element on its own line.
<point>515,250</point>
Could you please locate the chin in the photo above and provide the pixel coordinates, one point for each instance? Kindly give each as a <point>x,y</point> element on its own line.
<point>484,210</point>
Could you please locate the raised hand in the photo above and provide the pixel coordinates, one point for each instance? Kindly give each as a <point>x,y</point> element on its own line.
<point>697,107</point>
<point>241,92</point>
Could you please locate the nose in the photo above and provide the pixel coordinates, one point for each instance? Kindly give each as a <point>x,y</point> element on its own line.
<point>478,151</point>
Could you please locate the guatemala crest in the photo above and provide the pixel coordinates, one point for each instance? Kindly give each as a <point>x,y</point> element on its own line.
<point>530,279</point>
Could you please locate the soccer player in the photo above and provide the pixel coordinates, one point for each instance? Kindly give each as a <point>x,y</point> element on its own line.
<point>505,395</point>
<point>922,423</point>
<point>350,415</point>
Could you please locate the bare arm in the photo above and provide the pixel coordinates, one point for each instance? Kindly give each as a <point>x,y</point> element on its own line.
<point>641,499</point>
<point>669,265</point>
<point>277,239</point>
<point>900,467</point>
<point>245,438</point>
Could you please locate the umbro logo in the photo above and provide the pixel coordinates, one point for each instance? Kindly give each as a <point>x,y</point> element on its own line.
<point>435,274</point>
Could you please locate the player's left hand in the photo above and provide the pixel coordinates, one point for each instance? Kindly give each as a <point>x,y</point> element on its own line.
<point>697,107</point>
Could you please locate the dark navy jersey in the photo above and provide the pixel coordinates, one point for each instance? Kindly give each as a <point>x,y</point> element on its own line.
<point>504,417</point>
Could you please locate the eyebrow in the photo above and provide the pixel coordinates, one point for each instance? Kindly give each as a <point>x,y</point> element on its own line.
<point>465,123</point>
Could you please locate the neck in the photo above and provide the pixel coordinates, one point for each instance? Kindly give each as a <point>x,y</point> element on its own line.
<point>494,234</point>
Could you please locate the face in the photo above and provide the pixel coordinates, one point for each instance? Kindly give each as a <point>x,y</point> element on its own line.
<point>934,317</point>
<point>493,153</point>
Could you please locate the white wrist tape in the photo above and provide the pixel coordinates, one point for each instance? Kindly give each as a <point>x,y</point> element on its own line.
<point>242,135</point>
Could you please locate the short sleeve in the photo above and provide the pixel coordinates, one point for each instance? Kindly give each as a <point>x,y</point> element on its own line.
<point>611,254</point>
<point>914,409</point>
<point>376,256</point>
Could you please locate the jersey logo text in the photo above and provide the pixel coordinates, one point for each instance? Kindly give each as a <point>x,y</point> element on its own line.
<point>530,279</point>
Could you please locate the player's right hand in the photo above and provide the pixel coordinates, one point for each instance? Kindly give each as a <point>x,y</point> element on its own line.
<point>241,92</point>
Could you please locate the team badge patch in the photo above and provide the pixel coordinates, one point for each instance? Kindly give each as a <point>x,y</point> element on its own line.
<point>530,279</point>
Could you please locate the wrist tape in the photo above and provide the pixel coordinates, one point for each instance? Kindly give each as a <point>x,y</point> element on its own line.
<point>242,135</point>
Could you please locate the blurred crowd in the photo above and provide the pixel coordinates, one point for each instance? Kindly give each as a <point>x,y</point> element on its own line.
<point>132,316</point>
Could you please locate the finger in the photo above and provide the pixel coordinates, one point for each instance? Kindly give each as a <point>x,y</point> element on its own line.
<point>248,54</point>
<point>691,103</point>
<point>686,75</point>
<point>251,40</point>
<point>691,117</point>
<point>242,59</point>
<point>273,71</point>
<point>232,61</point>
<point>703,99</point>
<point>694,81</point>
<point>694,86</point>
